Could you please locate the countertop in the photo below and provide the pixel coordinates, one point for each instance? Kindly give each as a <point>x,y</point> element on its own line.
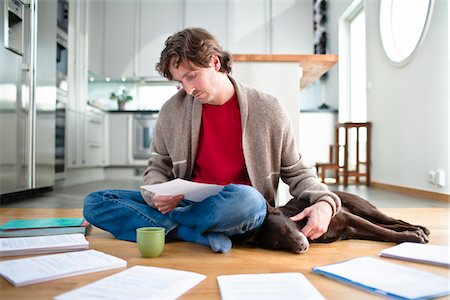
<point>313,65</point>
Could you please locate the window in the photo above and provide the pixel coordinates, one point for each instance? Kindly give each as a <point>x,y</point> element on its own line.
<point>403,25</point>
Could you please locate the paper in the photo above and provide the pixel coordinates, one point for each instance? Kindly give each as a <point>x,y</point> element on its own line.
<point>138,282</point>
<point>36,269</point>
<point>424,253</point>
<point>42,244</point>
<point>193,191</point>
<point>388,279</point>
<point>267,286</point>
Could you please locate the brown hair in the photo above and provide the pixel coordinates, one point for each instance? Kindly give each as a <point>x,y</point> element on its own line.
<point>192,45</point>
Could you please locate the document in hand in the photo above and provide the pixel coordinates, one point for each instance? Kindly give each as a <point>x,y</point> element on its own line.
<point>422,253</point>
<point>267,286</point>
<point>193,191</point>
<point>388,279</point>
<point>42,244</point>
<point>138,282</point>
<point>37,269</point>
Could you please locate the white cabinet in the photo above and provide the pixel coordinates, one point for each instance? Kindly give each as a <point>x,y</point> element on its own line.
<point>292,27</point>
<point>134,31</point>
<point>75,139</point>
<point>95,153</point>
<point>120,139</point>
<point>248,27</point>
<point>120,38</point>
<point>85,138</point>
<point>198,13</point>
<point>158,19</point>
<point>96,31</point>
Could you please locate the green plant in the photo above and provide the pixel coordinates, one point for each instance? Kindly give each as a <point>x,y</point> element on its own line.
<point>121,95</point>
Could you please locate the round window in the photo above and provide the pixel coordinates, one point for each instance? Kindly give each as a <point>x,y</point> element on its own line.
<point>403,24</point>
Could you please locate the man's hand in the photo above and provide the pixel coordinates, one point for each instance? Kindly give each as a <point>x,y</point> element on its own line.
<point>319,217</point>
<point>166,203</point>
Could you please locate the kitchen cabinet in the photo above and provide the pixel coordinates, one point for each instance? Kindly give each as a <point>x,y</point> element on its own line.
<point>254,36</point>
<point>95,153</point>
<point>96,31</point>
<point>85,138</point>
<point>120,38</point>
<point>289,19</point>
<point>75,139</point>
<point>120,139</point>
<point>197,13</point>
<point>134,31</point>
<point>157,21</point>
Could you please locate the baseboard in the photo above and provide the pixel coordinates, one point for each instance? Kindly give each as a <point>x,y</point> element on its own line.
<point>411,191</point>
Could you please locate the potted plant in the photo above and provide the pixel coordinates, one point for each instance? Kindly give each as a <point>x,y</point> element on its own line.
<point>122,96</point>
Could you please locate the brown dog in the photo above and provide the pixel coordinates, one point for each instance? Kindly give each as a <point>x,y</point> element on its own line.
<point>358,219</point>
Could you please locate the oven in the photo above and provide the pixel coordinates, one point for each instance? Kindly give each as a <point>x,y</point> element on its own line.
<point>60,135</point>
<point>143,126</point>
<point>61,61</point>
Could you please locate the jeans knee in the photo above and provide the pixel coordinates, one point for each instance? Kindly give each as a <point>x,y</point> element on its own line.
<point>246,197</point>
<point>90,203</point>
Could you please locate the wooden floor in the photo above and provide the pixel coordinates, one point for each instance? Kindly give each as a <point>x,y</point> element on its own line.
<point>241,259</point>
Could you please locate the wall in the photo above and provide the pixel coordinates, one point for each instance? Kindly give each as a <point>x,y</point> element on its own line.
<point>409,106</point>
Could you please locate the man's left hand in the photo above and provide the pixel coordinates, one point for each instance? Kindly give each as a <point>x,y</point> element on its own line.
<point>319,217</point>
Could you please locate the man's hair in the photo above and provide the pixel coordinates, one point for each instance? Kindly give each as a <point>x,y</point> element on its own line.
<point>192,45</point>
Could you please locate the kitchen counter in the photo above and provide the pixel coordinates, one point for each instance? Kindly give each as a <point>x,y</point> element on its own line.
<point>313,65</point>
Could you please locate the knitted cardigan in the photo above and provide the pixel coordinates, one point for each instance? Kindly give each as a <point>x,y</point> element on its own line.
<point>267,140</point>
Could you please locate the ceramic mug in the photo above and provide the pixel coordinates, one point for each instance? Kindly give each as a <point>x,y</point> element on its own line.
<point>150,241</point>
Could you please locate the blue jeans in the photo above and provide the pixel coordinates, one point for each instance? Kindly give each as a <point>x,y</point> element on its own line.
<point>236,210</point>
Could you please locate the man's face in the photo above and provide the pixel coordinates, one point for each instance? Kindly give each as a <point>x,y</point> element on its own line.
<point>197,81</point>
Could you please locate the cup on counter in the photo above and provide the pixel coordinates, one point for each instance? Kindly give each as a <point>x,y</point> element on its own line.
<point>150,241</point>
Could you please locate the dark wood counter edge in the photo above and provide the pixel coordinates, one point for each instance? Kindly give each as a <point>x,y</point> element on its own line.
<point>313,65</point>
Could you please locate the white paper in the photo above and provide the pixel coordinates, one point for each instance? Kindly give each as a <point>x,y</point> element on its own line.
<point>138,282</point>
<point>42,244</point>
<point>267,286</point>
<point>424,253</point>
<point>31,270</point>
<point>193,191</point>
<point>386,278</point>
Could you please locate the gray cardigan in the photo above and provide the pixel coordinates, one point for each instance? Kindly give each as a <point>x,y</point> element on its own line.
<point>267,139</point>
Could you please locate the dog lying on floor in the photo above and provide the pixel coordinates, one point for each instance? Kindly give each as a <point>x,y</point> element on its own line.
<point>358,219</point>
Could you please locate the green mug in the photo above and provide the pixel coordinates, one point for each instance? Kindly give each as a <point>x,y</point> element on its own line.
<point>150,241</point>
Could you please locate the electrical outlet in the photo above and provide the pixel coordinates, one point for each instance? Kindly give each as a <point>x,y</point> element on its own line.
<point>431,177</point>
<point>440,177</point>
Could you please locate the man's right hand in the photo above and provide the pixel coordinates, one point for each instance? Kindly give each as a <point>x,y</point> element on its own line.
<point>166,203</point>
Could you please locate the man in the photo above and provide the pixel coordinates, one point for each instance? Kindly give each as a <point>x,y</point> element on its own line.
<point>214,130</point>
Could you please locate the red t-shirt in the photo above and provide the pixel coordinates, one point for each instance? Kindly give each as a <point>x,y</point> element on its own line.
<point>220,158</point>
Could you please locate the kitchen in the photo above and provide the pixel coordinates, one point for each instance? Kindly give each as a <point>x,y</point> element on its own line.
<point>99,51</point>
<point>62,137</point>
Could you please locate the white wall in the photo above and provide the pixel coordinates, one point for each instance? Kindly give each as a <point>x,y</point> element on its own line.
<point>409,106</point>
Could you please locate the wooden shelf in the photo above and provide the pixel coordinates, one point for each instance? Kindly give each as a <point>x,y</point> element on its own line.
<point>313,65</point>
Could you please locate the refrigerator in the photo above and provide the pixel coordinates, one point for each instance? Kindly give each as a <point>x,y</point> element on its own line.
<point>27,95</point>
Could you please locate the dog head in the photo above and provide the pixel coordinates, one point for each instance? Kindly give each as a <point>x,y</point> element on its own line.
<point>278,232</point>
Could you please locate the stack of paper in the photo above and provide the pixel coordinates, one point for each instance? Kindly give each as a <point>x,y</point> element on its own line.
<point>423,253</point>
<point>37,269</point>
<point>388,279</point>
<point>267,286</point>
<point>47,226</point>
<point>138,282</point>
<point>42,244</point>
